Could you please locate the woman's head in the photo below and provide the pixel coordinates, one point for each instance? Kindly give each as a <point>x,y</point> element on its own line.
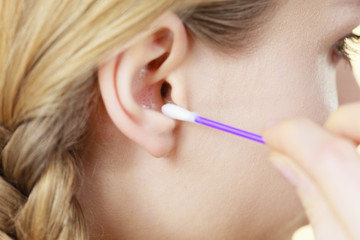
<point>82,83</point>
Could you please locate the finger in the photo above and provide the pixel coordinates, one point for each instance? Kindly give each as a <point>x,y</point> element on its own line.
<point>320,215</point>
<point>346,121</point>
<point>331,162</point>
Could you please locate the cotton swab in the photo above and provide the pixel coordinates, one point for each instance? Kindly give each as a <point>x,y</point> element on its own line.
<point>179,113</point>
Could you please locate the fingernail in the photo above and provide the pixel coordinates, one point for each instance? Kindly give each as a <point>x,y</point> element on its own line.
<point>285,171</point>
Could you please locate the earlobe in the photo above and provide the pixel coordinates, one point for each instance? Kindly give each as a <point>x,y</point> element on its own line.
<point>135,84</point>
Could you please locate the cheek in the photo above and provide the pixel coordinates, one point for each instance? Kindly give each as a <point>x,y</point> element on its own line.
<point>307,89</point>
<point>327,87</point>
<point>244,186</point>
<point>319,91</point>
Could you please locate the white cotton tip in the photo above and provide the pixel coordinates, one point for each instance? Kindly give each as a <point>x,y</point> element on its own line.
<point>178,113</point>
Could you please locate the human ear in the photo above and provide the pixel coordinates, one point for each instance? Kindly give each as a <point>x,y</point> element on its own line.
<point>136,83</point>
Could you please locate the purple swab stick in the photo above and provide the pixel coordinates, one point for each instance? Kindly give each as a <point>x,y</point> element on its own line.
<point>176,112</point>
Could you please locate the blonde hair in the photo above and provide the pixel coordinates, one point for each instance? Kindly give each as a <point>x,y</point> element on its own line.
<point>49,55</point>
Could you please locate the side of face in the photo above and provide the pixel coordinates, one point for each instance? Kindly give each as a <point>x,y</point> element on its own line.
<point>156,177</point>
<point>291,73</point>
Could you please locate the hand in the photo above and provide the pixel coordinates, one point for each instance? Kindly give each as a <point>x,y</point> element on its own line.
<point>324,165</point>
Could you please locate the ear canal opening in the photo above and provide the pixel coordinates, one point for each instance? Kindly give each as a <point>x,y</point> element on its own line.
<point>166,92</point>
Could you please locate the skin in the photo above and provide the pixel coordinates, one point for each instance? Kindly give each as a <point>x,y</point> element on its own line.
<point>348,88</point>
<point>150,177</point>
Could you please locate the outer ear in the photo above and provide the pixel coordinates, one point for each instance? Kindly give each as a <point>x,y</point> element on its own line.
<point>135,84</point>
